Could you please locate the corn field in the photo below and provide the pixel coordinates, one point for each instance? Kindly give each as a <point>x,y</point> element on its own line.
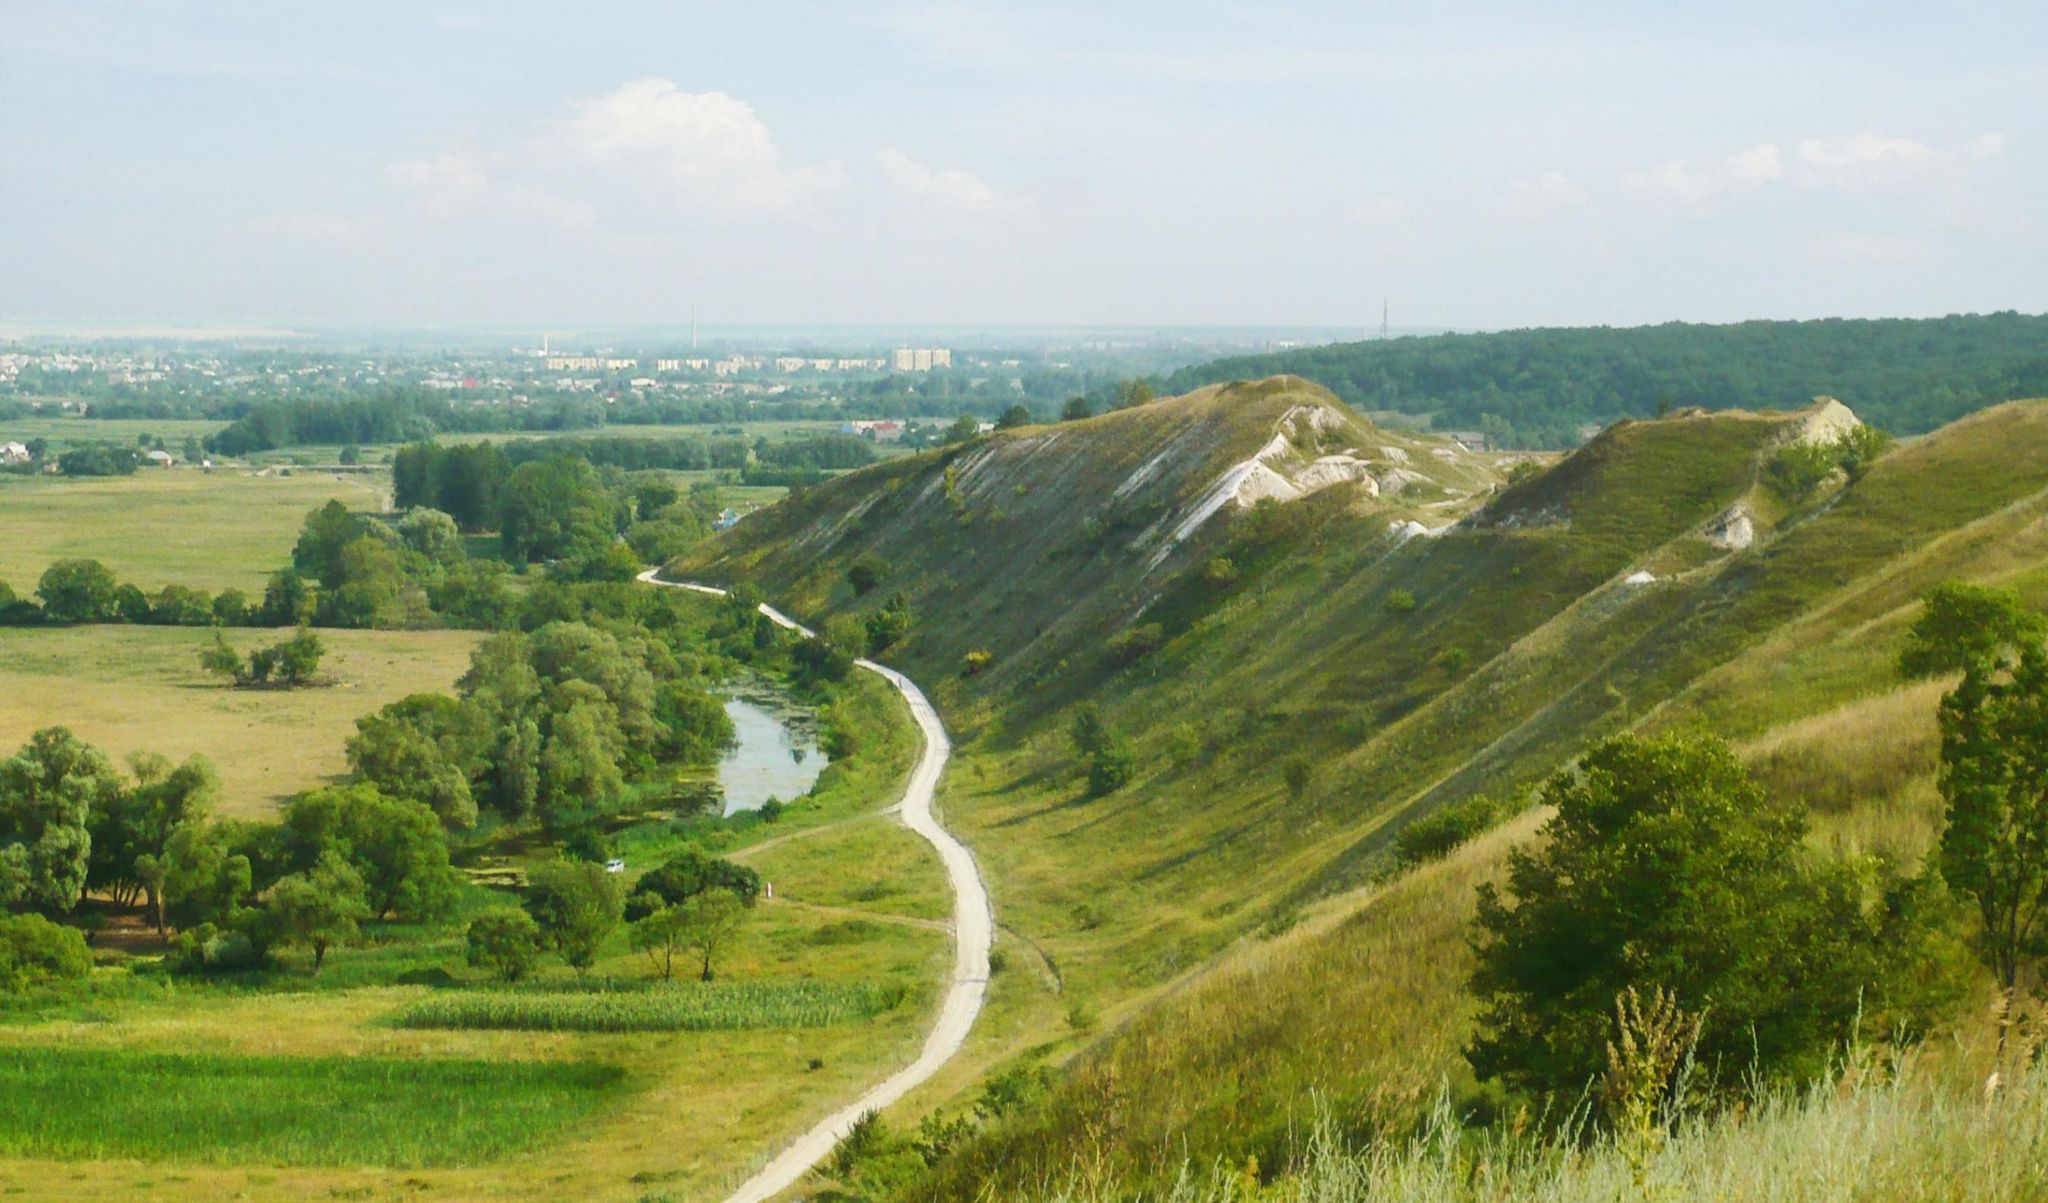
<point>683,1007</point>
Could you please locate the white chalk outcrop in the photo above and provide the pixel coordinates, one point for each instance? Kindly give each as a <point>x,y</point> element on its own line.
<point>1827,421</point>
<point>1732,529</point>
<point>1276,471</point>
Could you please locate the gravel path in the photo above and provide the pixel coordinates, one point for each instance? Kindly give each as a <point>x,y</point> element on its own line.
<point>973,932</point>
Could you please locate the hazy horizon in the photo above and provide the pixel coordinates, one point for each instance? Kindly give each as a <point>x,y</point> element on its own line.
<point>927,166</point>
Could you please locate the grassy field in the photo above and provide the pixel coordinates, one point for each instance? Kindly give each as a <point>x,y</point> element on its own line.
<point>66,433</point>
<point>681,1114</point>
<point>179,526</point>
<point>132,689</point>
<point>110,1103</point>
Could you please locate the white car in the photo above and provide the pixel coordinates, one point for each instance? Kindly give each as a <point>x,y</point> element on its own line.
<point>615,865</point>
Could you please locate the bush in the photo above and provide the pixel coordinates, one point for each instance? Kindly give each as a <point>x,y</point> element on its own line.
<point>1434,835</point>
<point>1132,645</point>
<point>864,1139</point>
<point>505,941</point>
<point>864,574</point>
<point>1111,768</point>
<point>34,950</point>
<point>208,949</point>
<point>1400,601</point>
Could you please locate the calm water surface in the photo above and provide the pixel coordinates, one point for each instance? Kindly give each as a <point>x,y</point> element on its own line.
<point>776,751</point>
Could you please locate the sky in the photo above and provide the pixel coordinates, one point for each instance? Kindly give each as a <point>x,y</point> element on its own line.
<point>1468,165</point>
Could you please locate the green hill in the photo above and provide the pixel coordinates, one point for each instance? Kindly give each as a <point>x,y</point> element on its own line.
<point>1537,388</point>
<point>1297,679</point>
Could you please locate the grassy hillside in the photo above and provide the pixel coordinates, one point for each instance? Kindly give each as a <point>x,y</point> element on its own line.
<point>1341,676</point>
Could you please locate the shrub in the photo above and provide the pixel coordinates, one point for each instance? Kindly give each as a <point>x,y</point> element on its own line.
<point>1434,835</point>
<point>505,941</point>
<point>1136,643</point>
<point>1111,768</point>
<point>975,661</point>
<point>35,950</point>
<point>864,574</point>
<point>1296,775</point>
<point>866,1137</point>
<point>1400,601</point>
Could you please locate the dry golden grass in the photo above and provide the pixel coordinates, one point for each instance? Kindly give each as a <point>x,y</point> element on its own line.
<point>129,689</point>
<point>1865,769</point>
<point>179,526</point>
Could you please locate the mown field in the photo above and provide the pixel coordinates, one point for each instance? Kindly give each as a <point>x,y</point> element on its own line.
<point>177,526</point>
<point>135,689</point>
<point>66,433</point>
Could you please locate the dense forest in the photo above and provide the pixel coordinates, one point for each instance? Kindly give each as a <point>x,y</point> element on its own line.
<point>1539,388</point>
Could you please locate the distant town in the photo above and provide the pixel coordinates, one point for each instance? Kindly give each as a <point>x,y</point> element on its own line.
<point>566,385</point>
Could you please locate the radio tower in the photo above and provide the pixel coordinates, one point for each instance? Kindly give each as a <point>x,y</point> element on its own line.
<point>693,327</point>
<point>1383,318</point>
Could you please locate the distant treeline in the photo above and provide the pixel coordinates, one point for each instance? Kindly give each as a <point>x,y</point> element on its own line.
<point>391,416</point>
<point>1537,388</point>
<point>401,415</point>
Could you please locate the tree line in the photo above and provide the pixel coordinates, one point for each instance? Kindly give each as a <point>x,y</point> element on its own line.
<point>1537,388</point>
<point>557,729</point>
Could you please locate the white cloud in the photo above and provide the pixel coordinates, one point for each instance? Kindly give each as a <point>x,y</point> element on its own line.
<point>447,185</point>
<point>1761,162</point>
<point>450,185</point>
<point>706,146</point>
<point>1849,161</point>
<point>955,196</point>
<point>1380,211</point>
<point>1864,153</point>
<point>1984,146</point>
<point>1537,196</point>
<point>1680,181</point>
<point>1677,180</point>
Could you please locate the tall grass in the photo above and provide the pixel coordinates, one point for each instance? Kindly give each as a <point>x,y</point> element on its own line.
<point>684,1007</point>
<point>99,1103</point>
<point>1866,1136</point>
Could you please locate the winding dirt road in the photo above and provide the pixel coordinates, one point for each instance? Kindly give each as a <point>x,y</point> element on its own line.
<point>973,930</point>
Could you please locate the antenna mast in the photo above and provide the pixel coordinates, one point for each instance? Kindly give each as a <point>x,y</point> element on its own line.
<point>1383,318</point>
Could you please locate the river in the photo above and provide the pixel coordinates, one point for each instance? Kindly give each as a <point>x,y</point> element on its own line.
<point>775,748</point>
